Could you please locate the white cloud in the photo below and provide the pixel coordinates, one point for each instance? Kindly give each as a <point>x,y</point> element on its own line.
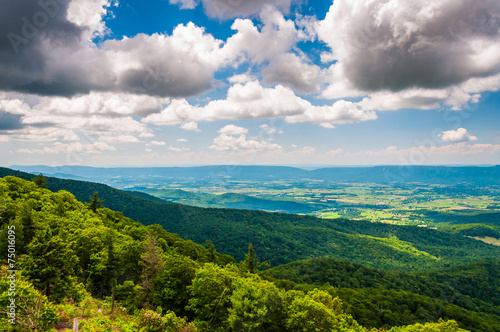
<point>307,27</point>
<point>191,125</point>
<point>156,143</point>
<point>89,14</point>
<point>398,44</point>
<point>241,78</point>
<point>277,36</point>
<point>236,8</point>
<point>252,101</point>
<point>459,135</point>
<point>226,142</point>
<point>103,103</point>
<point>232,130</point>
<point>178,65</point>
<point>340,112</point>
<point>102,116</point>
<point>36,134</point>
<point>182,140</point>
<point>118,139</point>
<point>182,64</point>
<point>185,4</point>
<point>171,148</point>
<point>327,125</point>
<point>291,70</point>
<point>58,147</point>
<point>269,130</point>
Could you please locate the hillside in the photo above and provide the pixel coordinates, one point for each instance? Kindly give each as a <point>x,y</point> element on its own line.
<point>229,200</point>
<point>144,279</point>
<point>474,286</point>
<point>282,238</point>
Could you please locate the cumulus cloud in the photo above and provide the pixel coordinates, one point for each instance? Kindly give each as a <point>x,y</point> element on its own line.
<point>191,125</point>
<point>277,36</point>
<point>55,56</point>
<point>226,142</point>
<point>241,78</point>
<point>289,69</point>
<point>172,148</point>
<point>340,112</point>
<point>179,65</point>
<point>89,15</point>
<point>225,9</point>
<point>103,103</point>
<point>396,44</point>
<point>106,118</point>
<point>251,100</point>
<point>156,143</point>
<point>459,135</point>
<point>185,4</point>
<point>59,147</point>
<point>232,130</point>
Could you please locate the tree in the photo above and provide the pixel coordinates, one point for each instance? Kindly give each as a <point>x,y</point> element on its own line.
<point>34,312</point>
<point>52,265</point>
<point>211,291</point>
<point>251,264</point>
<point>211,251</point>
<point>95,202</point>
<point>256,305</point>
<point>40,180</point>
<point>152,263</point>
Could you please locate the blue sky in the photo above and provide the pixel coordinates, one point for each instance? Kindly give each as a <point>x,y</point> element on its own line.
<point>193,82</point>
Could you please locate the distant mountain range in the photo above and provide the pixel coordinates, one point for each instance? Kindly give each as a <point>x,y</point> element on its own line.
<point>452,175</point>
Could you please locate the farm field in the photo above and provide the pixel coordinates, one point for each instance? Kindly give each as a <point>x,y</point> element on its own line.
<point>409,204</point>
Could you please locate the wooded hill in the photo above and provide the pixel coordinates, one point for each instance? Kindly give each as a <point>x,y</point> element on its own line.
<point>283,238</point>
<point>142,278</point>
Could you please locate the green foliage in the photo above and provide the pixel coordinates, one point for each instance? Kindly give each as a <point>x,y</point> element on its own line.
<point>473,286</point>
<point>170,286</point>
<point>156,277</point>
<point>40,180</point>
<point>441,326</point>
<point>33,311</point>
<point>282,238</point>
<point>150,321</point>
<point>95,202</point>
<point>210,295</point>
<point>256,305</point>
<point>52,265</point>
<point>317,311</point>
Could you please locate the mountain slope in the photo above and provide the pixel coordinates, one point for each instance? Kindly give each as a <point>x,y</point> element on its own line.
<point>229,200</point>
<point>67,251</point>
<point>282,238</point>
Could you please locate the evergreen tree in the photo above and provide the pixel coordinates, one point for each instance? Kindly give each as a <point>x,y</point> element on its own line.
<point>40,180</point>
<point>251,264</point>
<point>95,202</point>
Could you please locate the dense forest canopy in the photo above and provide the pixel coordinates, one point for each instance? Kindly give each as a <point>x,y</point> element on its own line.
<point>86,261</point>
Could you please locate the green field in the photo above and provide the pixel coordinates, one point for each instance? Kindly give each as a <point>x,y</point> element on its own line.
<point>408,204</point>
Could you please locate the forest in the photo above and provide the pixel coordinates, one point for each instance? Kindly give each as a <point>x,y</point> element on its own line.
<point>79,259</point>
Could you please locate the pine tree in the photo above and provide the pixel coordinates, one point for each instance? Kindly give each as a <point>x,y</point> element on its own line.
<point>40,180</point>
<point>95,202</point>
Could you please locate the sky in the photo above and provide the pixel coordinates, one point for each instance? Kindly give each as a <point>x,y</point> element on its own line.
<point>242,82</point>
